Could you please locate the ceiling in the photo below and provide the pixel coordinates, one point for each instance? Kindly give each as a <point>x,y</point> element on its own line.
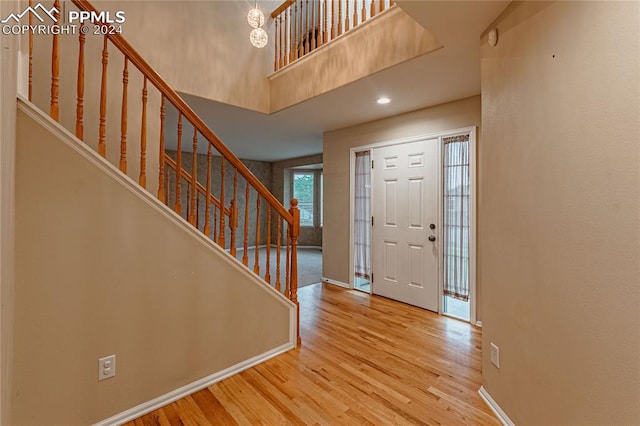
<point>447,74</point>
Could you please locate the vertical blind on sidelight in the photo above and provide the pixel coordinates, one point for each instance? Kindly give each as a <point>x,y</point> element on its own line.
<point>362,215</point>
<point>456,217</point>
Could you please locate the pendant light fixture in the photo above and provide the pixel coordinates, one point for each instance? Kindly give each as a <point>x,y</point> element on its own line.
<point>258,36</point>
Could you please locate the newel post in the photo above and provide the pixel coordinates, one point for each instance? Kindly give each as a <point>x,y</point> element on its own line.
<point>295,231</point>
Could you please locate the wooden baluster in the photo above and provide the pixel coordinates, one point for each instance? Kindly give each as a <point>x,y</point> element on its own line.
<point>325,33</point>
<point>391,3</point>
<point>102,148</point>
<point>31,54</point>
<point>194,178</point>
<point>291,27</point>
<point>123,118</point>
<point>55,65</point>
<point>363,12</point>
<point>307,45</point>
<point>178,204</point>
<point>80,85</point>
<point>372,9</point>
<point>355,13</point>
<point>162,194</point>
<point>221,241</point>
<point>267,273</point>
<point>256,264</point>
<point>188,182</point>
<point>142,179</point>
<point>332,32</point>
<point>278,35</point>
<point>278,237</point>
<point>167,181</point>
<point>287,54</point>
<point>313,27</point>
<point>233,220</point>
<point>347,20</point>
<point>381,6</point>
<point>215,223</point>
<point>301,31</point>
<point>339,17</point>
<point>277,49</point>
<point>283,48</point>
<point>207,210</point>
<point>295,231</point>
<point>198,209</point>
<point>287,265</point>
<point>245,256</point>
<point>318,29</point>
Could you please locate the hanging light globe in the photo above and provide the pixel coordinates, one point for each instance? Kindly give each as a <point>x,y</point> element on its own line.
<point>259,38</point>
<point>255,18</point>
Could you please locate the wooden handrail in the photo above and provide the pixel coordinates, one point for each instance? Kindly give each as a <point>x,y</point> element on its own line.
<point>282,7</point>
<point>201,189</point>
<point>189,114</point>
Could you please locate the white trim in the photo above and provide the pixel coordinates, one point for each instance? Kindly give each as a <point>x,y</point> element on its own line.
<point>493,405</point>
<point>335,282</point>
<point>192,387</point>
<point>479,324</point>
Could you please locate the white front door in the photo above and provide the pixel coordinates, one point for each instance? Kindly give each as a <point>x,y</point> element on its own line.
<point>405,209</point>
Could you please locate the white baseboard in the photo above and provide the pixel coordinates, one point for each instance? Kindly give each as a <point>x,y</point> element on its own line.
<point>502,416</point>
<point>334,282</point>
<point>174,395</point>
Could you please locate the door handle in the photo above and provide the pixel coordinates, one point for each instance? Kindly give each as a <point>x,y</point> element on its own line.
<point>432,238</point>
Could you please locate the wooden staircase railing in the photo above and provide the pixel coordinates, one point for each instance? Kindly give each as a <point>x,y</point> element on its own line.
<point>301,26</point>
<point>190,194</point>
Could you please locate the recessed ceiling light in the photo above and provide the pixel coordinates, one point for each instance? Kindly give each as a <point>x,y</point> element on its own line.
<point>383,100</point>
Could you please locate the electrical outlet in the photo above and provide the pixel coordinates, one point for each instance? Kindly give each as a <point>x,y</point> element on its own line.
<point>106,367</point>
<point>495,355</point>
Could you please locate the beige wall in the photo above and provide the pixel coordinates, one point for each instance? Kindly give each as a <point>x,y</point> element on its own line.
<point>559,213</point>
<point>116,274</point>
<point>337,145</point>
<point>205,47</point>
<point>387,40</point>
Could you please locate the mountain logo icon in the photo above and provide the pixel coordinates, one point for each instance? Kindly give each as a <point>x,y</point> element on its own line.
<point>33,10</point>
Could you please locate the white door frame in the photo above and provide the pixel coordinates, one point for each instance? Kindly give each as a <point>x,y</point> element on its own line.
<point>472,206</point>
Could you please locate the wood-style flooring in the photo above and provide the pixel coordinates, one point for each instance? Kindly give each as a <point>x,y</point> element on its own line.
<point>364,360</point>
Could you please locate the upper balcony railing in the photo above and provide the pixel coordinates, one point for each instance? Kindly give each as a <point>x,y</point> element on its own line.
<point>301,26</point>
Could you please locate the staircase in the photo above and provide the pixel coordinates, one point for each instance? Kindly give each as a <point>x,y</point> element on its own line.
<point>223,199</point>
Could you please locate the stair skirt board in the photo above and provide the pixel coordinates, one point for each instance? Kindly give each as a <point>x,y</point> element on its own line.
<point>112,171</point>
<point>493,405</point>
<point>335,282</point>
<point>179,393</point>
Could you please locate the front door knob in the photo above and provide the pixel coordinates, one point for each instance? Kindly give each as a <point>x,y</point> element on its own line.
<point>432,238</point>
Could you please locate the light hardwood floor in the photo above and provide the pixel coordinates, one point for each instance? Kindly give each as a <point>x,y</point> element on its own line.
<point>364,360</point>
